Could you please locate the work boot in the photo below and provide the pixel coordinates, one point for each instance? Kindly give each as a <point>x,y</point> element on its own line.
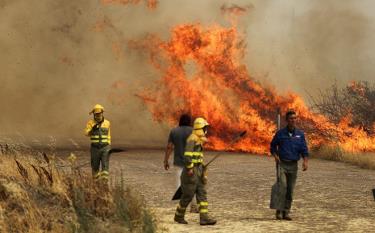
<point>206,220</point>
<point>179,216</point>
<point>286,216</point>
<point>279,215</point>
<point>194,208</point>
<point>180,220</point>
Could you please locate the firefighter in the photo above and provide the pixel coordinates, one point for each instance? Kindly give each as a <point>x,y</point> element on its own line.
<point>98,129</point>
<point>192,182</point>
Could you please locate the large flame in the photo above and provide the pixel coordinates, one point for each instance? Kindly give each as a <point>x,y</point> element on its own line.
<point>202,73</point>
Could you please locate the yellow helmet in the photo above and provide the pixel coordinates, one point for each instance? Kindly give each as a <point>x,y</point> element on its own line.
<point>97,109</point>
<point>199,125</point>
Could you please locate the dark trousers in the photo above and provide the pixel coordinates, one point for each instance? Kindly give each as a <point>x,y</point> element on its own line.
<point>193,185</point>
<point>288,178</point>
<point>99,156</point>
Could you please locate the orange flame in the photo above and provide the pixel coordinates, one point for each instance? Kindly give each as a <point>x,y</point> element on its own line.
<point>357,87</point>
<point>203,74</point>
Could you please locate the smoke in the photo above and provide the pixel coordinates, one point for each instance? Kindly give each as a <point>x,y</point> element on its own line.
<point>56,66</point>
<point>306,45</point>
<point>59,58</point>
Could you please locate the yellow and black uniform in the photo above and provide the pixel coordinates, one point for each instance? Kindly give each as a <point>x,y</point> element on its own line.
<point>100,137</point>
<point>193,184</point>
<point>99,132</point>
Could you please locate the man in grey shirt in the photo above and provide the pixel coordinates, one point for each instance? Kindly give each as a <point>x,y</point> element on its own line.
<point>177,142</point>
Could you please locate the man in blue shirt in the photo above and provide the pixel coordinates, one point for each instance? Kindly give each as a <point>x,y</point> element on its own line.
<point>288,146</point>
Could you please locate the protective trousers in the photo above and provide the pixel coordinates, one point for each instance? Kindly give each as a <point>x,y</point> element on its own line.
<point>193,185</point>
<point>100,156</point>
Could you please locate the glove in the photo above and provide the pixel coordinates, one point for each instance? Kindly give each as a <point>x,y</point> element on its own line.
<point>96,126</point>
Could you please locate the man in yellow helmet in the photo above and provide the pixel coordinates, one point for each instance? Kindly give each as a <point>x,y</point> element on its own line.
<point>192,182</point>
<point>98,129</point>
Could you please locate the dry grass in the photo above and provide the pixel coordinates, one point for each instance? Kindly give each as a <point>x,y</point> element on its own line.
<point>335,153</point>
<point>37,195</point>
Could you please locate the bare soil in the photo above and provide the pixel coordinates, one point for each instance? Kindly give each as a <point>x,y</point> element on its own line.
<point>329,197</point>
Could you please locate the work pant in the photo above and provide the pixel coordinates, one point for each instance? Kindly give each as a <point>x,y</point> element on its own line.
<point>288,177</point>
<point>178,179</point>
<point>193,185</point>
<point>100,156</point>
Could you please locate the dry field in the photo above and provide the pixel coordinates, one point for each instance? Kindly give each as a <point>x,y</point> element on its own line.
<point>42,193</point>
<point>330,196</point>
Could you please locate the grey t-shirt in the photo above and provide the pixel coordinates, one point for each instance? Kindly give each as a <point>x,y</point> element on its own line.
<point>178,137</point>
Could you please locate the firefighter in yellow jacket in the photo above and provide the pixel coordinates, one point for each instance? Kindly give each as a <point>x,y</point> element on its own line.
<point>98,129</point>
<point>192,180</point>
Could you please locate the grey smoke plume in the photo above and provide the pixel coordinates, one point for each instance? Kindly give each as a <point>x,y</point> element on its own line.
<point>60,57</point>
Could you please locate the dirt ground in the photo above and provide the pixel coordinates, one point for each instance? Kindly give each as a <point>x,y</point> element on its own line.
<point>329,197</point>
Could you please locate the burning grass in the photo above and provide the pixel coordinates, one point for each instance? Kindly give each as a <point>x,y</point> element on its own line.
<point>221,89</point>
<point>335,153</point>
<point>36,195</point>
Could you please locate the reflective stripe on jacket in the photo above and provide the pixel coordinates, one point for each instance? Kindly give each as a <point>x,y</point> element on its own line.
<point>193,151</point>
<point>99,135</point>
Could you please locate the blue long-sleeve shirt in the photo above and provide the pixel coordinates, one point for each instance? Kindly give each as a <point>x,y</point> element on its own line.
<point>289,145</point>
